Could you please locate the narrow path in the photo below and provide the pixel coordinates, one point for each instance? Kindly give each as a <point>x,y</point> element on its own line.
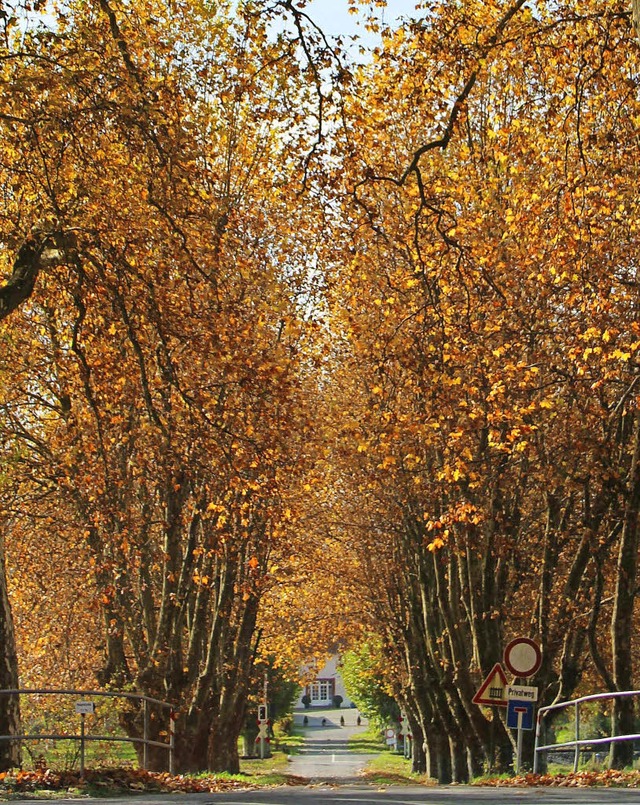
<point>325,756</point>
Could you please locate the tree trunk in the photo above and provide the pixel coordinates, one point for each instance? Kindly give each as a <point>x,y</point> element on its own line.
<point>504,750</point>
<point>39,249</point>
<point>132,721</point>
<point>222,749</point>
<point>440,744</point>
<point>430,765</point>
<point>622,619</point>
<point>10,754</point>
<point>458,749</point>
<point>209,742</point>
<point>623,723</point>
<point>418,754</point>
<point>250,742</point>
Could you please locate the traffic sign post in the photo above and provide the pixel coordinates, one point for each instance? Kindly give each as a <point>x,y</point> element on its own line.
<point>263,720</point>
<point>83,709</point>
<point>520,716</point>
<point>527,693</point>
<point>523,658</point>
<point>263,729</point>
<point>406,735</point>
<point>390,735</point>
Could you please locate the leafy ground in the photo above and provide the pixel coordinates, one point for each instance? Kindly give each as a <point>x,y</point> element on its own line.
<point>388,768</point>
<point>609,778</point>
<point>107,782</point>
<point>50,784</point>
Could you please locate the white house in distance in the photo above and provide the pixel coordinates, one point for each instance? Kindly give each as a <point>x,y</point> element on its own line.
<point>326,684</point>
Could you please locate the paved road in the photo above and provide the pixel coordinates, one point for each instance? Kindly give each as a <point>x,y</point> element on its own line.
<point>325,755</point>
<point>465,795</point>
<point>363,795</point>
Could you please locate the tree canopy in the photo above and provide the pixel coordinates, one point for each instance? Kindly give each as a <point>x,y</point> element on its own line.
<point>296,351</point>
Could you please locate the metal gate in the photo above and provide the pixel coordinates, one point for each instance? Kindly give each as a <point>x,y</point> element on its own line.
<point>169,746</point>
<point>578,743</point>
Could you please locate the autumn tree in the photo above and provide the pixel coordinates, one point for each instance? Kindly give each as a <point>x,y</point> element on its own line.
<point>457,421</point>
<point>157,381</point>
<point>492,468</point>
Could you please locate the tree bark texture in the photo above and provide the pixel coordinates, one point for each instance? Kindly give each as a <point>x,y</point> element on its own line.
<point>10,723</point>
<point>623,609</point>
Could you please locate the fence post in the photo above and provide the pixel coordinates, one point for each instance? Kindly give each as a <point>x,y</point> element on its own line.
<point>145,735</point>
<point>172,743</point>
<point>539,737</point>
<point>576,752</point>
<point>82,717</point>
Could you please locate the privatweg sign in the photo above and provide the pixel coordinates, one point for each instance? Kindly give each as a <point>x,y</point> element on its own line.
<point>522,692</point>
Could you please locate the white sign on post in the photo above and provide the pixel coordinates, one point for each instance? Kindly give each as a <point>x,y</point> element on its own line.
<point>527,693</point>
<point>523,657</point>
<point>85,708</point>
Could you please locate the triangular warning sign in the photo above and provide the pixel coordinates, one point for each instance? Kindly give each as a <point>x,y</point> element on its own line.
<point>493,691</point>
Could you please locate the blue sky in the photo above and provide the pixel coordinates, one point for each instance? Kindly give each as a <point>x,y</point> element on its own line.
<point>334,18</point>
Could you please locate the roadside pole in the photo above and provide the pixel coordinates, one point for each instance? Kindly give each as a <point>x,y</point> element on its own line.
<point>520,713</point>
<point>82,733</point>
<point>82,708</point>
<point>523,658</point>
<point>263,720</point>
<point>262,728</point>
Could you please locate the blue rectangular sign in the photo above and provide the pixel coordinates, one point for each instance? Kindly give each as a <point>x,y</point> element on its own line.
<point>520,708</point>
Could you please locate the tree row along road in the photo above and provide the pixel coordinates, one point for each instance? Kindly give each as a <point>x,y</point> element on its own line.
<point>296,351</point>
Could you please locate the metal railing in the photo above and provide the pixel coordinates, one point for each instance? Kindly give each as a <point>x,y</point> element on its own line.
<point>578,743</point>
<point>82,737</point>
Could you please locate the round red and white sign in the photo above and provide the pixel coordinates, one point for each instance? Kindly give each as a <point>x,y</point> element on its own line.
<point>522,656</point>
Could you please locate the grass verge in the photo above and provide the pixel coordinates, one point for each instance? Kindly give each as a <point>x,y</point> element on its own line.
<point>368,742</point>
<point>267,771</point>
<point>389,768</point>
<point>289,744</point>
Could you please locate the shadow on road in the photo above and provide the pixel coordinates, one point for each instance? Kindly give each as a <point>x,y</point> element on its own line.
<point>327,755</point>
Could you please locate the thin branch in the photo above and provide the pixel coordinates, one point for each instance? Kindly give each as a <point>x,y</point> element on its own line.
<point>443,141</point>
